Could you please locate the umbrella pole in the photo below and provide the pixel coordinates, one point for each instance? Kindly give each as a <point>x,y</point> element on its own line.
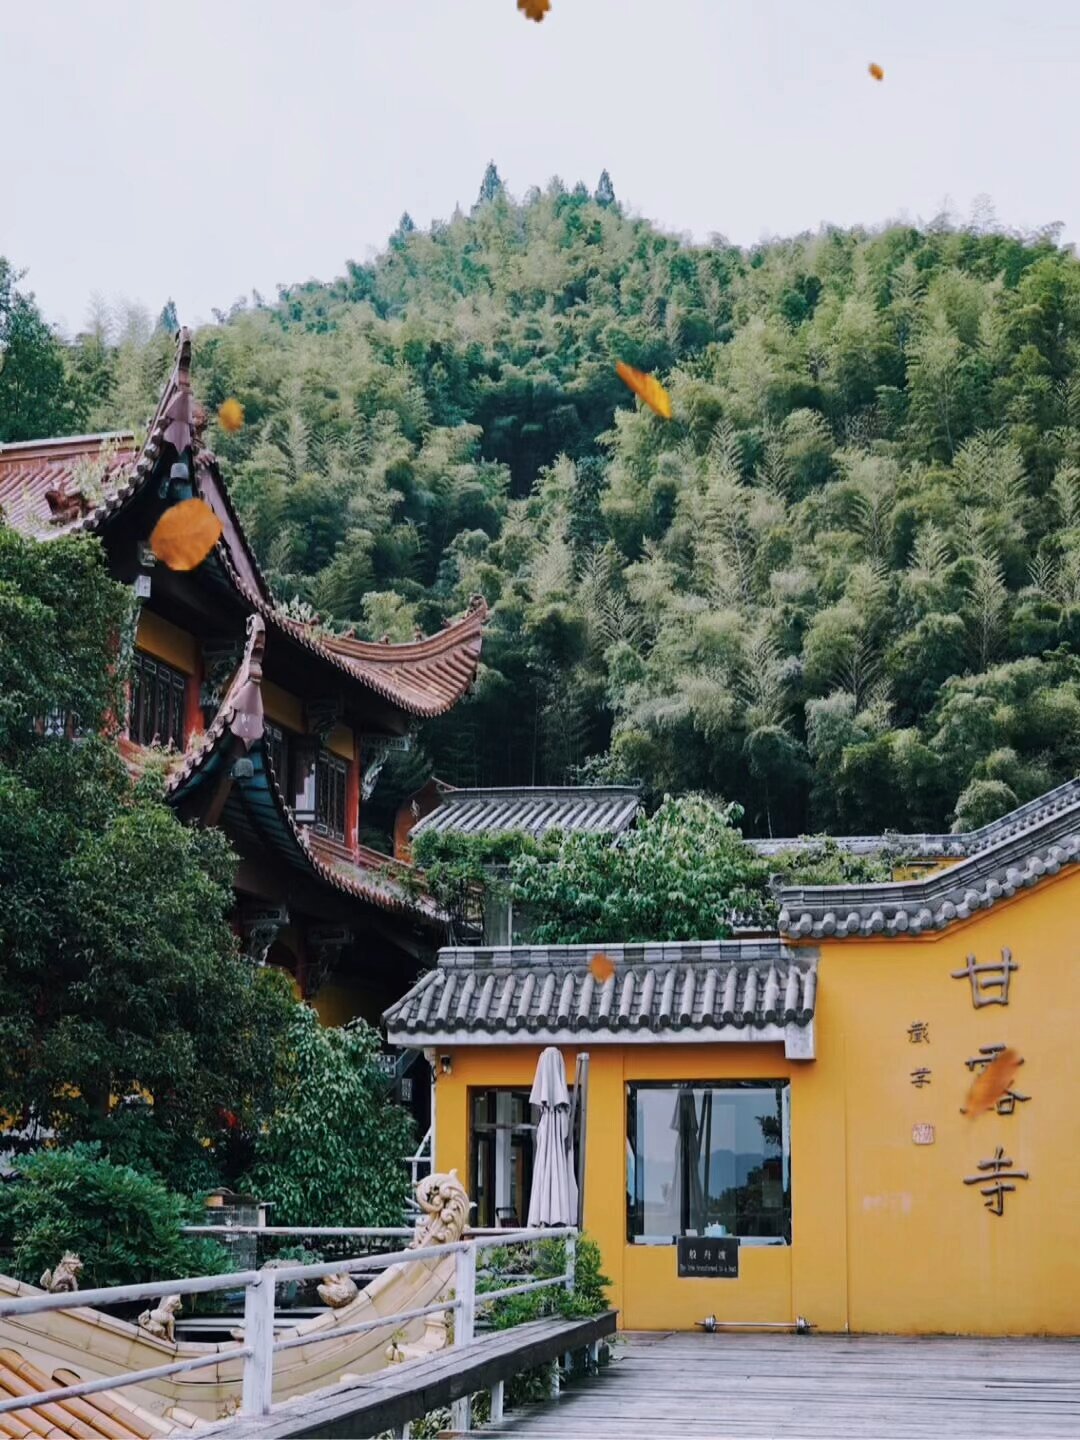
<point>581,1097</point>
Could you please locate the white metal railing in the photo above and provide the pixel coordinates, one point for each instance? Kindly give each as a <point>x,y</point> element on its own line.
<point>260,1286</point>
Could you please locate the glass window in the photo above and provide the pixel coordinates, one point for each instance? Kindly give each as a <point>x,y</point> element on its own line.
<point>501,1142</point>
<point>709,1158</point>
<point>331,772</point>
<point>156,702</point>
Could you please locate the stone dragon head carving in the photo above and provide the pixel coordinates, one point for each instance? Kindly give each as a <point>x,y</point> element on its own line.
<point>445,1207</point>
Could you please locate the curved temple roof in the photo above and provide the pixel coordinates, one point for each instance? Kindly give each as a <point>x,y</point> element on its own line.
<point>1011,854</point>
<point>57,487</point>
<point>530,995</point>
<point>256,805</point>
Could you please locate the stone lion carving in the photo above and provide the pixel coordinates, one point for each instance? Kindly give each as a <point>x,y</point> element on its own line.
<point>445,1207</point>
<point>161,1320</point>
<point>337,1291</point>
<point>66,1275</point>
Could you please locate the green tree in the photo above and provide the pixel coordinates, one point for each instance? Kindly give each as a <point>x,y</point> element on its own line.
<point>678,875</point>
<point>36,397</point>
<point>126,1013</point>
<point>332,1153</point>
<point>605,191</point>
<point>491,185</point>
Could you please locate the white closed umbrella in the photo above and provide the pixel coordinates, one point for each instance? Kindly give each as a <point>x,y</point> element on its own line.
<point>554,1196</point>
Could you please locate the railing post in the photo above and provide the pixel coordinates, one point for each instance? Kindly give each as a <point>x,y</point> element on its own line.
<point>464,1326</point>
<point>258,1386</point>
<point>571,1262</point>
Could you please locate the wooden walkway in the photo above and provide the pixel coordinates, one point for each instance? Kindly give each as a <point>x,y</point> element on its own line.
<point>748,1387</point>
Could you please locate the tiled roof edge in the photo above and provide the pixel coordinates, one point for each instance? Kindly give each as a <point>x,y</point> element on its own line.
<point>963,844</point>
<point>457,633</point>
<point>917,906</point>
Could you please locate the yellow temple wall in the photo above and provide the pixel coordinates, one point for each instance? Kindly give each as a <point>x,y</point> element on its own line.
<point>886,1236</point>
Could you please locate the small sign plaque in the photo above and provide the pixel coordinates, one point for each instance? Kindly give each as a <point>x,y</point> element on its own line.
<point>922,1134</point>
<point>711,1258</point>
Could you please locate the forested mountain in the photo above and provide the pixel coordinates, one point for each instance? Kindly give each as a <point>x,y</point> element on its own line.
<point>841,587</point>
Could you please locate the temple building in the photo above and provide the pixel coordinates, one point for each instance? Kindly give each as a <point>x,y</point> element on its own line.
<point>804,1126</point>
<point>278,726</point>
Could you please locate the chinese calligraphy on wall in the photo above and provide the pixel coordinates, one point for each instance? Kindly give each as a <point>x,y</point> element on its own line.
<point>989,983</point>
<point>990,986</point>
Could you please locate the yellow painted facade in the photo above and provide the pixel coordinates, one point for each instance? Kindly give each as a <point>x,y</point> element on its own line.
<point>282,707</point>
<point>167,642</point>
<point>886,1236</point>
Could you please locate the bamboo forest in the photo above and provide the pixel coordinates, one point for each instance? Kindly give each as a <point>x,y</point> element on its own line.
<point>841,587</point>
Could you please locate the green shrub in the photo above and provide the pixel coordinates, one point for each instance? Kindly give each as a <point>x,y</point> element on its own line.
<point>125,1226</point>
<point>332,1152</point>
<point>589,1296</point>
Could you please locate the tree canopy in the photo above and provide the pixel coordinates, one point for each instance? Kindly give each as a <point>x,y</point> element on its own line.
<point>841,587</point>
<point>128,1016</point>
<point>680,874</point>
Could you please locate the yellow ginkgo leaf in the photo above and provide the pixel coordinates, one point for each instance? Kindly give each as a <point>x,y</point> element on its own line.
<point>185,535</point>
<point>647,388</point>
<point>992,1084</point>
<point>231,416</point>
<point>534,9</point>
<point>601,967</point>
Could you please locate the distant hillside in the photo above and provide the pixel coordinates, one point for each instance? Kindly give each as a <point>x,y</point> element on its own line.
<point>842,586</point>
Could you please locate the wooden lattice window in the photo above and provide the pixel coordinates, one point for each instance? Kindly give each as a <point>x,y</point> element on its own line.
<point>156,706</point>
<point>330,779</point>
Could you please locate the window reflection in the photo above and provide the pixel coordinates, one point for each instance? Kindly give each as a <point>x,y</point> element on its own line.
<point>709,1158</point>
<point>501,1156</point>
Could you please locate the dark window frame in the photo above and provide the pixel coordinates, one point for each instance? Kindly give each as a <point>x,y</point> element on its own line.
<point>779,1217</point>
<point>278,744</point>
<point>331,788</point>
<point>157,702</point>
<point>482,1137</point>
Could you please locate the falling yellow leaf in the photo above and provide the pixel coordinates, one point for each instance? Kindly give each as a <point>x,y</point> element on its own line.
<point>231,416</point>
<point>185,535</point>
<point>601,967</point>
<point>647,388</point>
<point>992,1084</point>
<point>876,71</point>
<point>534,9</point>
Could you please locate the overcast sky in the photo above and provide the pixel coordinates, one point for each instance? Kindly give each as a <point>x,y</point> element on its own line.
<point>198,148</point>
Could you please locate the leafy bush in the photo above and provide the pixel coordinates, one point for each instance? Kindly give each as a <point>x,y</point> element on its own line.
<point>331,1153</point>
<point>824,863</point>
<point>678,875</point>
<point>464,873</point>
<point>589,1296</point>
<point>125,1226</point>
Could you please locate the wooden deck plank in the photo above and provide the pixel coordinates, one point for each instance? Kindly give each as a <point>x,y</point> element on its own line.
<point>745,1387</point>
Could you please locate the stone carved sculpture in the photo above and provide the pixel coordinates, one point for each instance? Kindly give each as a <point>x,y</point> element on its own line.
<point>337,1291</point>
<point>65,1277</point>
<point>445,1206</point>
<point>161,1320</point>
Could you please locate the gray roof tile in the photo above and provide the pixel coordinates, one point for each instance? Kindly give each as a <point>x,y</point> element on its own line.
<point>940,846</point>
<point>595,809</point>
<point>527,990</point>
<point>1036,841</point>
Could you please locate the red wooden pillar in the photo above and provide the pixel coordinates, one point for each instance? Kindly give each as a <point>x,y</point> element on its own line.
<point>352,797</point>
<point>194,724</point>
